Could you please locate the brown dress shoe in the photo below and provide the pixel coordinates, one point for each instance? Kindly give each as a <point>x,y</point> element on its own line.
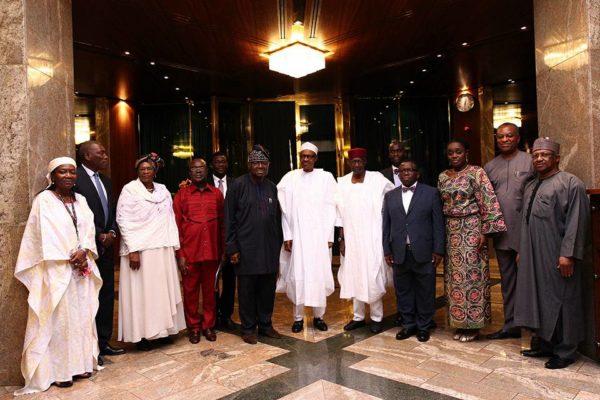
<point>269,332</point>
<point>64,384</point>
<point>194,337</point>
<point>209,334</point>
<point>249,338</point>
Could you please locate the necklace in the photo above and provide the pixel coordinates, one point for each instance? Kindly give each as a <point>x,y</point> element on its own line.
<point>71,212</point>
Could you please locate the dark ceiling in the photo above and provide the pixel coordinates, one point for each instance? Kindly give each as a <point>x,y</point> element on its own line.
<point>214,48</point>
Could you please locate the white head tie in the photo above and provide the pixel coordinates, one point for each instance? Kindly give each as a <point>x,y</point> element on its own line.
<point>309,146</point>
<point>57,162</point>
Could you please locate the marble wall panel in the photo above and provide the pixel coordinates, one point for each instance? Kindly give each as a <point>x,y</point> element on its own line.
<point>13,144</point>
<point>564,110</point>
<point>486,123</point>
<point>13,306</point>
<point>561,31</point>
<point>594,24</point>
<point>12,45</point>
<point>595,117</point>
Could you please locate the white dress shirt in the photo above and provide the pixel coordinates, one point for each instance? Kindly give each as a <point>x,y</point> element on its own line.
<point>91,175</point>
<point>406,199</point>
<point>224,180</point>
<point>397,182</point>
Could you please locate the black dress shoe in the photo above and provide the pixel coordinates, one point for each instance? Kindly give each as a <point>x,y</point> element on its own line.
<point>320,324</point>
<point>209,334</point>
<point>537,353</point>
<point>100,360</point>
<point>108,350</point>
<point>298,326</point>
<point>405,333</point>
<point>64,384</point>
<point>227,323</point>
<point>354,325</point>
<point>194,337</point>
<point>423,335</point>
<point>144,345</point>
<point>558,363</point>
<point>375,327</point>
<point>269,332</point>
<point>503,335</point>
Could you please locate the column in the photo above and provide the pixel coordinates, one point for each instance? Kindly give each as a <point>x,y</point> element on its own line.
<point>36,125</point>
<point>567,44</point>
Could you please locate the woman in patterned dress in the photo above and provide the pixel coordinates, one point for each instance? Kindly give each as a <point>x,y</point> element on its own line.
<point>472,212</point>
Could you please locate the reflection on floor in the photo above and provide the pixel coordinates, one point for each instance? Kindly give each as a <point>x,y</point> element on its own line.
<point>336,365</point>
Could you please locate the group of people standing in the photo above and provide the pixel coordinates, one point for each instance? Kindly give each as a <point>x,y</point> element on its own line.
<point>391,229</point>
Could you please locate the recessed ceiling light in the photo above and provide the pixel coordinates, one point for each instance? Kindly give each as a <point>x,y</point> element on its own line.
<point>439,55</point>
<point>465,44</point>
<point>186,98</point>
<point>523,28</point>
<point>126,53</point>
<point>152,63</point>
<point>176,88</point>
<point>402,92</point>
<point>506,102</point>
<point>166,77</point>
<point>411,82</point>
<point>424,70</point>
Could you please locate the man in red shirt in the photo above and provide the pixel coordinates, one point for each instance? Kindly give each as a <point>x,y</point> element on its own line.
<point>199,216</point>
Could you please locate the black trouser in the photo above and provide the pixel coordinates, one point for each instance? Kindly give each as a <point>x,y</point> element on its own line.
<point>226,298</point>
<point>557,345</point>
<point>256,297</point>
<point>106,298</point>
<point>415,292</point>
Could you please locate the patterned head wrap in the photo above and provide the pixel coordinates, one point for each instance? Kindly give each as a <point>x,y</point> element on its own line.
<point>153,159</point>
<point>258,153</point>
<point>545,143</point>
<point>57,162</point>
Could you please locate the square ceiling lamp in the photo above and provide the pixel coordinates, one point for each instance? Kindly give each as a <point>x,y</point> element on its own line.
<point>297,59</point>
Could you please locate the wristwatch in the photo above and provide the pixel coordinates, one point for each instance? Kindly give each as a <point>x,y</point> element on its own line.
<point>341,239</point>
<point>112,233</point>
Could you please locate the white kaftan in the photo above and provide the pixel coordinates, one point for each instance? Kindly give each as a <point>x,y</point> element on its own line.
<point>307,202</point>
<point>61,339</point>
<point>150,302</point>
<point>363,271</point>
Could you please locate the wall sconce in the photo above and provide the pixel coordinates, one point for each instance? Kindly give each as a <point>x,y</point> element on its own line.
<point>183,151</point>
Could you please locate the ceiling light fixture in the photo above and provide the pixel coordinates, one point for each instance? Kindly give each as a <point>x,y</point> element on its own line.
<point>152,63</point>
<point>176,88</point>
<point>465,44</point>
<point>297,59</point>
<point>523,28</point>
<point>126,53</point>
<point>424,70</point>
<point>411,82</point>
<point>166,77</point>
<point>439,55</point>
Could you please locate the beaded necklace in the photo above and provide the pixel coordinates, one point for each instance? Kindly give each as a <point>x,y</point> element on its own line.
<point>71,212</point>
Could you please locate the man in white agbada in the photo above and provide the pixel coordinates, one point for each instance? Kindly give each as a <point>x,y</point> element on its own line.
<point>56,264</point>
<point>363,273</point>
<point>307,198</point>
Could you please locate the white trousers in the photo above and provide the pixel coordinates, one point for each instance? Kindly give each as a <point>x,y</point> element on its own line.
<point>376,308</point>
<point>318,312</point>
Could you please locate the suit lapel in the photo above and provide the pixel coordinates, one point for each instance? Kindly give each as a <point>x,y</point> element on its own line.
<point>93,191</point>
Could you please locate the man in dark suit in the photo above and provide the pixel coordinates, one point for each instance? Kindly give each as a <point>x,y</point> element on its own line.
<point>97,190</point>
<point>226,298</point>
<point>413,242</point>
<point>396,154</point>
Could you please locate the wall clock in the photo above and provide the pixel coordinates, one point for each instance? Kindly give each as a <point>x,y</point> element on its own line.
<point>465,102</point>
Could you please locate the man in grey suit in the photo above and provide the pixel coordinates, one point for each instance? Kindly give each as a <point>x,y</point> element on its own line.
<point>413,243</point>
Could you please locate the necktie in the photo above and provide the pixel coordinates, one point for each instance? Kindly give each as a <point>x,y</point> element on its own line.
<point>102,197</point>
<point>408,189</point>
<point>220,187</point>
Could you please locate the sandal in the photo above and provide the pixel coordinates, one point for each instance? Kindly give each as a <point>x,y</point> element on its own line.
<point>469,337</point>
<point>457,334</point>
<point>85,375</point>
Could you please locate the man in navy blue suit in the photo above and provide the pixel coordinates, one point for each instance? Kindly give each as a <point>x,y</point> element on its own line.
<point>413,243</point>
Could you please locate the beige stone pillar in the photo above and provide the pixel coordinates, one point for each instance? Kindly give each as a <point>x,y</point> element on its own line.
<point>485,95</point>
<point>567,44</point>
<point>36,125</point>
<point>567,47</point>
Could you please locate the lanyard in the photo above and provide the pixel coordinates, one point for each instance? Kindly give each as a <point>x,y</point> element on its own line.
<point>71,212</point>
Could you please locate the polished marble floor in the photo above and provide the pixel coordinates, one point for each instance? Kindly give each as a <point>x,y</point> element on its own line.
<point>336,365</point>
